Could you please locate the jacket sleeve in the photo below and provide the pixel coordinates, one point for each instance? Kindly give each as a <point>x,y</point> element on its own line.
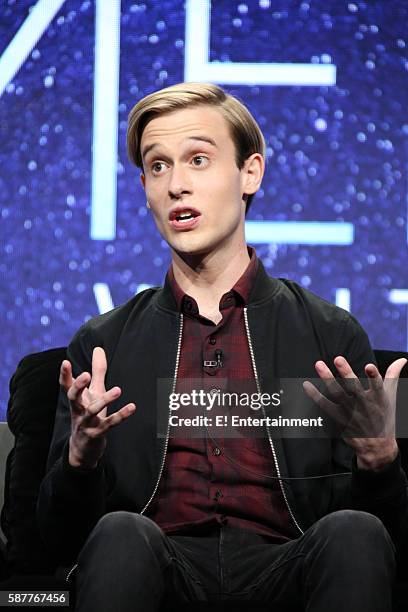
<point>71,500</point>
<point>382,493</point>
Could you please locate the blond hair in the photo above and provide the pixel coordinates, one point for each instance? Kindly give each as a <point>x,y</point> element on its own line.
<point>245,132</point>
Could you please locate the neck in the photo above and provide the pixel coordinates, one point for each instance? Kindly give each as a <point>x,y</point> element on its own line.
<point>206,278</point>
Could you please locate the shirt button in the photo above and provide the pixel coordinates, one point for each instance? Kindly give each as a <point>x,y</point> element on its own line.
<point>216,451</point>
<point>217,495</point>
<point>212,340</point>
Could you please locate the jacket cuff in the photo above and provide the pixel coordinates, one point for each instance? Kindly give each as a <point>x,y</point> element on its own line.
<point>75,474</point>
<point>383,484</point>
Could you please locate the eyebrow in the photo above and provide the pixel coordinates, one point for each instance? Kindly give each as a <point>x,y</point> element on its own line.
<point>199,138</point>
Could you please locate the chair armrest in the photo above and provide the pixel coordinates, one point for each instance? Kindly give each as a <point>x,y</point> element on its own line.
<point>6,444</point>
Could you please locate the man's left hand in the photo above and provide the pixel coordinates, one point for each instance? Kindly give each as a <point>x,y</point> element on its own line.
<point>367,415</point>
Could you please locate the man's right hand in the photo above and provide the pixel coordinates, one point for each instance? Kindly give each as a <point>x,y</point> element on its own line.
<point>88,400</point>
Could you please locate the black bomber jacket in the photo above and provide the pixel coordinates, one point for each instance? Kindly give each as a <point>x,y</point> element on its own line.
<point>288,330</point>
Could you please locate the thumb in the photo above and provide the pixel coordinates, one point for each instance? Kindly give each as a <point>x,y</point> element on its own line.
<point>394,370</point>
<point>392,376</point>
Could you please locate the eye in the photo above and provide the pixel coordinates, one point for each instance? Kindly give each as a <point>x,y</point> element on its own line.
<point>199,160</point>
<point>157,167</point>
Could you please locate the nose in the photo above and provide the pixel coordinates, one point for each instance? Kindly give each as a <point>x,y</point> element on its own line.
<point>179,184</point>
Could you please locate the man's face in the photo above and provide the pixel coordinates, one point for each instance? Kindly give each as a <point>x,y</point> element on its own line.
<point>192,182</point>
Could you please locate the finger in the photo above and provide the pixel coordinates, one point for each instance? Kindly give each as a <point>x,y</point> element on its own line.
<point>75,391</point>
<point>335,391</point>
<point>99,404</point>
<point>325,404</point>
<point>374,377</point>
<point>349,381</point>
<point>119,416</point>
<point>99,367</point>
<point>343,367</point>
<point>341,418</point>
<point>392,377</point>
<point>394,370</point>
<point>65,377</point>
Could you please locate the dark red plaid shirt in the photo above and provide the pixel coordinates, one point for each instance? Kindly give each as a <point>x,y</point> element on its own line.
<point>212,480</point>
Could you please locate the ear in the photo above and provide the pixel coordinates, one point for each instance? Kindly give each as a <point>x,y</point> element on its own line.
<point>143,180</point>
<point>252,173</point>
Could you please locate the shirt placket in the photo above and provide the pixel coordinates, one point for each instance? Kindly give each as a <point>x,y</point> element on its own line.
<point>215,446</point>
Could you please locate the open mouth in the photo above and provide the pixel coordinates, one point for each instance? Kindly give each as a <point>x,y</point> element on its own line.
<point>185,216</point>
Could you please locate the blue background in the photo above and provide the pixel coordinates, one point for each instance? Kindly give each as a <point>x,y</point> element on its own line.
<point>335,153</point>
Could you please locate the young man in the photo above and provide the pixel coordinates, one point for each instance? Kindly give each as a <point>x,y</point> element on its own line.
<point>148,517</point>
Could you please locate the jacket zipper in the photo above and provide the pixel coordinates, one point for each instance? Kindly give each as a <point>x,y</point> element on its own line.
<point>258,387</point>
<point>69,574</point>
<point>168,423</point>
<point>73,568</point>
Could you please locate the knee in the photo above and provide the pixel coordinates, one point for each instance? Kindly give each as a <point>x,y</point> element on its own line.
<point>122,533</point>
<point>352,549</point>
<point>120,521</point>
<point>129,526</point>
<point>354,528</point>
<point>125,529</point>
<point>346,521</point>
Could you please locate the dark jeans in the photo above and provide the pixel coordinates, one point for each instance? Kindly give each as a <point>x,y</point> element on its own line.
<point>344,562</point>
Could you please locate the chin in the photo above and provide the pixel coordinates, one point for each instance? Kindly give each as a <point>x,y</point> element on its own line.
<point>191,249</point>
<point>196,243</point>
<point>191,246</point>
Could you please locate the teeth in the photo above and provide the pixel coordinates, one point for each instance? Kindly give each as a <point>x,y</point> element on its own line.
<point>184,216</point>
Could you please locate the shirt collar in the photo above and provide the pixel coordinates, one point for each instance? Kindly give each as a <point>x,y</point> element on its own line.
<point>242,287</point>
